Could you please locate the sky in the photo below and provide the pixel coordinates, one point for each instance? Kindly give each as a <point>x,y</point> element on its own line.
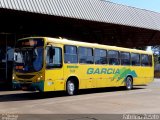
<point>153,5</point>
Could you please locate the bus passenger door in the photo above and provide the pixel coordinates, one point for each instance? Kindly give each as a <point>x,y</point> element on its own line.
<point>54,73</point>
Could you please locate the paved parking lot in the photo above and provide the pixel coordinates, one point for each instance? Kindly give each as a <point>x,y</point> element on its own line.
<point>142,99</point>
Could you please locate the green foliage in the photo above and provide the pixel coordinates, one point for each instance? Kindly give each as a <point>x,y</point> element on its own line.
<point>156,51</point>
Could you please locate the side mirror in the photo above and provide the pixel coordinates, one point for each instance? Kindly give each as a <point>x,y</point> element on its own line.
<point>51,51</point>
<point>51,54</point>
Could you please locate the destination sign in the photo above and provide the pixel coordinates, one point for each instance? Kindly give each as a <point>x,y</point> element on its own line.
<point>36,42</point>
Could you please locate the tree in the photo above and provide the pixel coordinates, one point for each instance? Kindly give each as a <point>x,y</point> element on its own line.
<point>156,49</point>
<point>156,52</point>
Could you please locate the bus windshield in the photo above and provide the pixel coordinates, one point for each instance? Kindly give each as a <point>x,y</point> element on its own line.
<point>28,56</point>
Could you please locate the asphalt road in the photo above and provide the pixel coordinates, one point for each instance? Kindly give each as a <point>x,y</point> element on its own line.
<point>140,100</point>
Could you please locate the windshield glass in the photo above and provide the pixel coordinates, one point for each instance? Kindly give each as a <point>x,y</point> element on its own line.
<point>29,57</point>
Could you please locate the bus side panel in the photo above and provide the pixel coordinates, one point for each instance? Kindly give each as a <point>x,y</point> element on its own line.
<point>149,74</point>
<point>116,77</point>
<point>144,75</point>
<point>97,76</point>
<point>105,78</point>
<point>72,70</point>
<point>84,74</point>
<point>139,75</point>
<point>101,78</point>
<point>85,79</point>
<point>54,80</point>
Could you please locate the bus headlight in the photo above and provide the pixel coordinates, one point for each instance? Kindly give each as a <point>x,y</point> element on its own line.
<point>39,78</point>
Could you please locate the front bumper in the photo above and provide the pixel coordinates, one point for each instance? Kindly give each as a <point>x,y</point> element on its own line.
<point>34,86</point>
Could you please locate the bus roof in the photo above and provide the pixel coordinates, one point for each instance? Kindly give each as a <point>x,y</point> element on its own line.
<point>92,45</point>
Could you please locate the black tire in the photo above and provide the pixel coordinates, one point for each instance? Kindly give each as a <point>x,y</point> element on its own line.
<point>129,83</point>
<point>71,87</point>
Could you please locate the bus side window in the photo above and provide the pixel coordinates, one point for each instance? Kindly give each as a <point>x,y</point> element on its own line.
<point>85,55</point>
<point>54,57</point>
<point>70,54</point>
<point>135,59</point>
<point>100,56</point>
<point>125,58</point>
<point>113,57</point>
<point>144,60</point>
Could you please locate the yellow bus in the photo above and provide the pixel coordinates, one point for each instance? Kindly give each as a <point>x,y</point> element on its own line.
<point>52,64</point>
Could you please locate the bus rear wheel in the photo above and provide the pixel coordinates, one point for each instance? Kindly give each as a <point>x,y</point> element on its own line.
<point>71,87</point>
<point>129,83</point>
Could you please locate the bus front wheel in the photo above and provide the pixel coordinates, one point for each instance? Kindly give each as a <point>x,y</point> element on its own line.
<point>71,87</point>
<point>129,83</point>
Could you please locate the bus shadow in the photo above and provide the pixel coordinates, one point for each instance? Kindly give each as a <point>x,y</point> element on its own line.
<point>105,90</point>
<point>37,95</point>
<point>30,96</point>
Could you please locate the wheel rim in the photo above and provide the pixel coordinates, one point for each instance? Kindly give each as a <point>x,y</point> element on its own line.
<point>129,83</point>
<point>71,87</point>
